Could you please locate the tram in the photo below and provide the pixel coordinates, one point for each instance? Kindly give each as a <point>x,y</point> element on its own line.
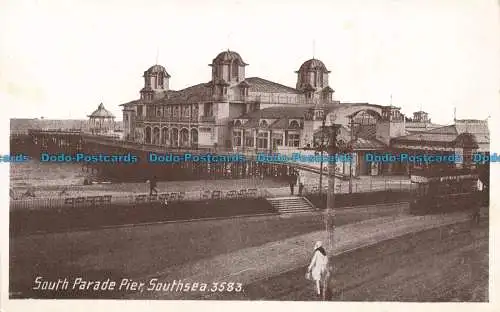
<point>436,192</point>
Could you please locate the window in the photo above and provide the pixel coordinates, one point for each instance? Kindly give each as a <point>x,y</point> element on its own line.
<point>319,114</point>
<point>263,124</point>
<point>237,123</point>
<point>467,156</point>
<point>139,110</point>
<point>235,71</point>
<point>160,80</point>
<point>294,140</point>
<point>262,140</point>
<point>249,141</point>
<point>207,110</point>
<point>294,124</point>
<point>237,138</point>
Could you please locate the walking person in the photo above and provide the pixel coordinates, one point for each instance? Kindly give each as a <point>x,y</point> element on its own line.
<point>300,180</point>
<point>292,181</point>
<point>152,186</point>
<point>318,268</point>
<point>476,214</point>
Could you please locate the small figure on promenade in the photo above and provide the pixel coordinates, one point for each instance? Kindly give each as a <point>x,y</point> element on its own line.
<point>64,192</point>
<point>292,181</point>
<point>318,268</point>
<point>476,214</point>
<point>152,186</point>
<point>300,180</point>
<point>165,203</point>
<point>29,193</point>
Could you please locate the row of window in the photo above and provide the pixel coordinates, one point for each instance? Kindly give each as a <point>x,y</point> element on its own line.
<point>169,111</point>
<point>233,73</point>
<point>263,140</point>
<point>158,82</point>
<point>294,124</point>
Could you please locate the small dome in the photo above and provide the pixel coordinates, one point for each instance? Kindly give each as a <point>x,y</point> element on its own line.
<point>101,112</point>
<point>228,56</point>
<point>313,64</point>
<point>155,69</point>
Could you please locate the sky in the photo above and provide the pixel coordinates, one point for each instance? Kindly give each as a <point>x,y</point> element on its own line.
<point>60,59</point>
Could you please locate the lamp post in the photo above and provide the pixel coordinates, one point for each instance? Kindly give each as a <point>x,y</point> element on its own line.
<point>330,199</point>
<point>333,131</point>
<point>322,148</point>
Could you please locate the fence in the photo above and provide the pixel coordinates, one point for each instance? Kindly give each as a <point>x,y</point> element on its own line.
<point>342,187</point>
<point>134,199</point>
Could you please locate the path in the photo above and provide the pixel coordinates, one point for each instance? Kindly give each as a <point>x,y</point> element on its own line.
<point>256,263</point>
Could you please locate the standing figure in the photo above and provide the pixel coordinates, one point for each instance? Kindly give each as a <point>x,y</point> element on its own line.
<point>476,214</point>
<point>318,269</point>
<point>300,180</point>
<point>292,181</point>
<point>152,186</point>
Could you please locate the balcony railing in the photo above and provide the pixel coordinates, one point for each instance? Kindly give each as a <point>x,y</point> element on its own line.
<point>295,99</point>
<point>270,99</point>
<point>167,118</point>
<point>207,118</point>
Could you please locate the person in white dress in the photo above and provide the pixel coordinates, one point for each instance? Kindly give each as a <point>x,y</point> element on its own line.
<point>318,268</point>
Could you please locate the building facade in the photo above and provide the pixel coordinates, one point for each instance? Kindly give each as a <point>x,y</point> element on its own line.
<point>238,113</point>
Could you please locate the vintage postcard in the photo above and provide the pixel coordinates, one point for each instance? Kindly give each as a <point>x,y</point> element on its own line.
<point>171,152</point>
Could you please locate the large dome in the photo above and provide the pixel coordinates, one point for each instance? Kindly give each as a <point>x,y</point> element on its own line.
<point>227,57</point>
<point>313,64</point>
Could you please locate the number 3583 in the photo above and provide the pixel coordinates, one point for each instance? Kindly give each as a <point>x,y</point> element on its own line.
<point>226,286</point>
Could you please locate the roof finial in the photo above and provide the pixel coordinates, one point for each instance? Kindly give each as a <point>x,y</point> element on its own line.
<point>454,114</point>
<point>228,41</point>
<point>391,100</point>
<point>157,54</point>
<point>314,48</point>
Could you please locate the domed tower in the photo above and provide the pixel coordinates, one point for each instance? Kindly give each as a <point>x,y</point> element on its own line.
<point>313,78</point>
<point>228,66</point>
<point>155,83</point>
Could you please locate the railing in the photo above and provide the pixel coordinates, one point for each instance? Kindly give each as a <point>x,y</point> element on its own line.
<point>133,199</point>
<point>207,118</point>
<point>57,131</point>
<point>276,98</point>
<point>167,118</point>
<point>373,185</point>
<point>341,187</point>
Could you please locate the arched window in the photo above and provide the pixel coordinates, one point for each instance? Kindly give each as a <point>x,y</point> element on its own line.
<point>148,135</point>
<point>263,123</point>
<point>237,123</point>
<point>294,124</point>
<point>160,80</point>
<point>235,71</point>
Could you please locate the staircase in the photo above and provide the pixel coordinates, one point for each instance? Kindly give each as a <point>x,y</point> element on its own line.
<point>293,204</point>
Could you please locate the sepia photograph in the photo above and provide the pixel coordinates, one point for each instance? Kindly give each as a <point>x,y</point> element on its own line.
<point>231,150</point>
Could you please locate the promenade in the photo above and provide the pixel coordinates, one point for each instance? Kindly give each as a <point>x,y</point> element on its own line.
<point>55,181</point>
<point>271,259</point>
